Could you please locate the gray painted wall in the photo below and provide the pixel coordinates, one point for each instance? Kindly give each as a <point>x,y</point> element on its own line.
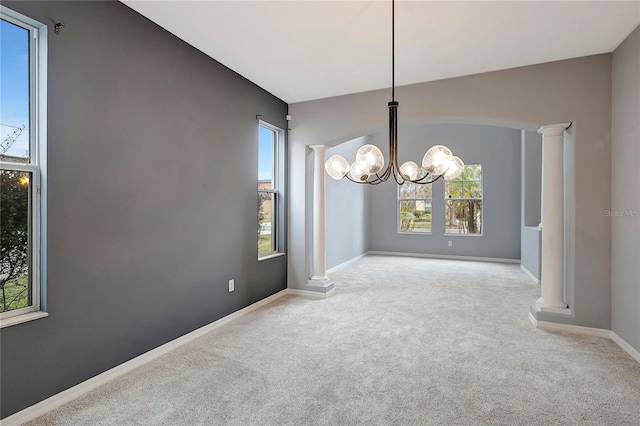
<point>576,90</point>
<point>531,178</point>
<point>625,191</point>
<point>152,198</point>
<point>347,218</point>
<point>531,148</point>
<point>530,253</point>
<point>497,149</point>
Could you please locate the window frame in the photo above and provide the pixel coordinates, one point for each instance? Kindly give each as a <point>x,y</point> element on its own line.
<point>36,165</point>
<point>415,199</point>
<point>274,191</point>
<point>453,199</point>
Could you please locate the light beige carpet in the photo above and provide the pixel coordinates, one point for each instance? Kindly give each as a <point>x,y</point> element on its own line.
<point>403,341</point>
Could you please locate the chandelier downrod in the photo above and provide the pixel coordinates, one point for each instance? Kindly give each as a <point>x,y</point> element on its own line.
<point>438,162</point>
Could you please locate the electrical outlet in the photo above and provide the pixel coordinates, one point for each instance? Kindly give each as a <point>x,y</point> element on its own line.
<point>450,243</point>
<point>232,285</point>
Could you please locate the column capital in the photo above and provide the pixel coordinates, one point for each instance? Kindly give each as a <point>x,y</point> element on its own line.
<point>553,129</point>
<point>320,149</point>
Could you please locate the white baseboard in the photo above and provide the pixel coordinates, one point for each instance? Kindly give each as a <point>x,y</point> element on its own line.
<point>313,294</point>
<point>444,256</point>
<point>588,331</point>
<point>80,389</point>
<point>577,329</point>
<point>529,274</point>
<point>624,345</point>
<point>557,311</point>
<point>343,264</point>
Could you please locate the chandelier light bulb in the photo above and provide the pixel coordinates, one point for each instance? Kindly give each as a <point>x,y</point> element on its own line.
<point>455,169</point>
<point>371,157</point>
<point>409,170</point>
<point>437,160</point>
<point>337,167</point>
<point>358,172</point>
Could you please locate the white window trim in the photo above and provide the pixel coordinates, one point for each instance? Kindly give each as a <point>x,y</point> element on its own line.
<point>36,165</point>
<point>430,200</point>
<point>481,199</point>
<point>275,189</point>
<point>274,219</point>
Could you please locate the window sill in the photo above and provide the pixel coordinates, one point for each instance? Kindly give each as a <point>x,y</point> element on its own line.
<point>414,233</point>
<point>19,319</point>
<point>270,256</point>
<point>462,235</point>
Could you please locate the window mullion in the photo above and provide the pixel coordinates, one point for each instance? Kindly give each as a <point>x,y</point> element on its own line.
<point>18,167</point>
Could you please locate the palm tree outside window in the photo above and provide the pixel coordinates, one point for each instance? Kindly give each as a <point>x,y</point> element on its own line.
<point>463,202</point>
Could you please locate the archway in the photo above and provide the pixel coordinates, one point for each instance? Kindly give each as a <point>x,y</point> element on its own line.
<point>556,292</point>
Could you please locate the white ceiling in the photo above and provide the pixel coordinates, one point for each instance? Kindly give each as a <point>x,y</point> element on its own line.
<point>303,50</point>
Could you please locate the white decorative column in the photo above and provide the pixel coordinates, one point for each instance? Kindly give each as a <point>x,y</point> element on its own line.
<point>552,276</point>
<point>319,277</point>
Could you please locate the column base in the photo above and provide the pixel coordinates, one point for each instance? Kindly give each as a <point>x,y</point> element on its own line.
<point>321,285</point>
<point>541,306</point>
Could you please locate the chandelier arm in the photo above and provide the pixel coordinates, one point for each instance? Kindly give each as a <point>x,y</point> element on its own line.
<point>356,181</point>
<point>375,181</point>
<point>425,176</point>
<point>395,140</point>
<point>378,180</point>
<point>427,182</point>
<point>393,137</point>
<point>395,177</point>
<point>420,180</point>
<point>387,172</point>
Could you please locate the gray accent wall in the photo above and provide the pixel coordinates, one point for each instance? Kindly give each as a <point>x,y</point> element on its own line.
<point>152,177</point>
<point>624,213</point>
<point>576,90</point>
<point>497,149</point>
<point>347,211</point>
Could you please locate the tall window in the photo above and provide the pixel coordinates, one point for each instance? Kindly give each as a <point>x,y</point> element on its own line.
<point>414,208</point>
<point>463,196</point>
<point>267,189</point>
<point>21,115</point>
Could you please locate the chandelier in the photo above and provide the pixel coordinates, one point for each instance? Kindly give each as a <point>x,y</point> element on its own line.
<point>438,162</point>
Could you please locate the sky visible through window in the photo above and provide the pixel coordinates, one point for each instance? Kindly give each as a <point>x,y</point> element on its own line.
<point>14,87</point>
<point>265,153</point>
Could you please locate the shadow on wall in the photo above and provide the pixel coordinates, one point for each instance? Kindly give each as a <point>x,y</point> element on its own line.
<point>347,204</point>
